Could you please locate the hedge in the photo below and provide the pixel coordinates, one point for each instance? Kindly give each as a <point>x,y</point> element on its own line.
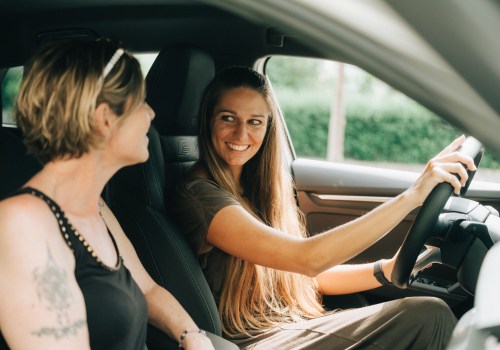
<point>378,130</point>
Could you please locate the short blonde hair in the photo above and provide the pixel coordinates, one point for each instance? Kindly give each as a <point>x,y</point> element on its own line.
<point>62,86</point>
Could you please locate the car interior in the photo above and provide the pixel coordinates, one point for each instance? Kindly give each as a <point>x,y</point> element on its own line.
<point>193,41</point>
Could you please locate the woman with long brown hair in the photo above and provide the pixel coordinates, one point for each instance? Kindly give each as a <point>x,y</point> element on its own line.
<point>238,210</point>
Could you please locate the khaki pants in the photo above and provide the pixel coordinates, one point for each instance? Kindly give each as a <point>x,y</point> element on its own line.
<point>411,323</point>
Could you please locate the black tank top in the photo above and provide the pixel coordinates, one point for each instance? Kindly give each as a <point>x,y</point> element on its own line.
<point>116,307</point>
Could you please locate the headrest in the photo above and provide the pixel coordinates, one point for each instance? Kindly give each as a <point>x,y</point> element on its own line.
<point>175,85</point>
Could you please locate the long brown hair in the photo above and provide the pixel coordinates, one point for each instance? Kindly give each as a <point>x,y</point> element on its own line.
<point>256,297</point>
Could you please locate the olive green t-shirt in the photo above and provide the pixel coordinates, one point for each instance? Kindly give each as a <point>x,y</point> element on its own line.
<point>195,204</point>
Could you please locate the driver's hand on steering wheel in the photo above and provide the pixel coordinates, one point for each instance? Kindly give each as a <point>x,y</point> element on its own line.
<point>444,167</point>
<point>388,266</point>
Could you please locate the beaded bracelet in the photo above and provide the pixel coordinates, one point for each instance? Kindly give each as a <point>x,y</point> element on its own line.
<point>185,333</point>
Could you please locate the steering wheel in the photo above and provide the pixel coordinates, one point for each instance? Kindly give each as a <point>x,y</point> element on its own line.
<point>422,228</point>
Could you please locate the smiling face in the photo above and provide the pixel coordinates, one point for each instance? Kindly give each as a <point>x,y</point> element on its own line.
<point>239,124</point>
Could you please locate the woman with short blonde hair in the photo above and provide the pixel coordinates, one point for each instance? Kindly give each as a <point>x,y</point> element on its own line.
<point>69,276</point>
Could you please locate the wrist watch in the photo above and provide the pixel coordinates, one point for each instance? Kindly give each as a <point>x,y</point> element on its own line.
<point>379,273</point>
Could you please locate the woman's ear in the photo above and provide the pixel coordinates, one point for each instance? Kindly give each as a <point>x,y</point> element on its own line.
<point>104,119</point>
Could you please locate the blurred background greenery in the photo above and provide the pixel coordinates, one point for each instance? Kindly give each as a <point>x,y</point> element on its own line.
<point>9,88</point>
<point>381,124</point>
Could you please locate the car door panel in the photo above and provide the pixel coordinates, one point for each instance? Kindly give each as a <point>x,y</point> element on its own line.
<point>331,194</point>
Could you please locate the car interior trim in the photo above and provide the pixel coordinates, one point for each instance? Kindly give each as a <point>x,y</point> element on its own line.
<point>334,197</point>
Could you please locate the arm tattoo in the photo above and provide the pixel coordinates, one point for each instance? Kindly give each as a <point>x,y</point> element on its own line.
<point>55,295</point>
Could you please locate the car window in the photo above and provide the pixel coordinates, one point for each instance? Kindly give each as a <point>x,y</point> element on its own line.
<point>339,112</point>
<point>9,88</point>
<point>146,60</point>
<point>12,80</point>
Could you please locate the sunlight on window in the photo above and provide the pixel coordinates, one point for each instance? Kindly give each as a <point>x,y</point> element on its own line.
<point>146,61</point>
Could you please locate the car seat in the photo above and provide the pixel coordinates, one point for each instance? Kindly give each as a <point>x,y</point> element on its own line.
<point>138,194</point>
<point>16,165</point>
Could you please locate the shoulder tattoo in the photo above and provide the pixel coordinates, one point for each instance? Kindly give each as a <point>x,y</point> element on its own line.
<point>55,296</point>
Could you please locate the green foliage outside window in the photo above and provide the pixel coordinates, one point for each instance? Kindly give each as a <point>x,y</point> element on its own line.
<point>382,125</point>
<point>9,88</point>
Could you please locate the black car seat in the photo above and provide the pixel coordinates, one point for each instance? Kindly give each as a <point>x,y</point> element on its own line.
<point>16,165</point>
<point>138,194</point>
